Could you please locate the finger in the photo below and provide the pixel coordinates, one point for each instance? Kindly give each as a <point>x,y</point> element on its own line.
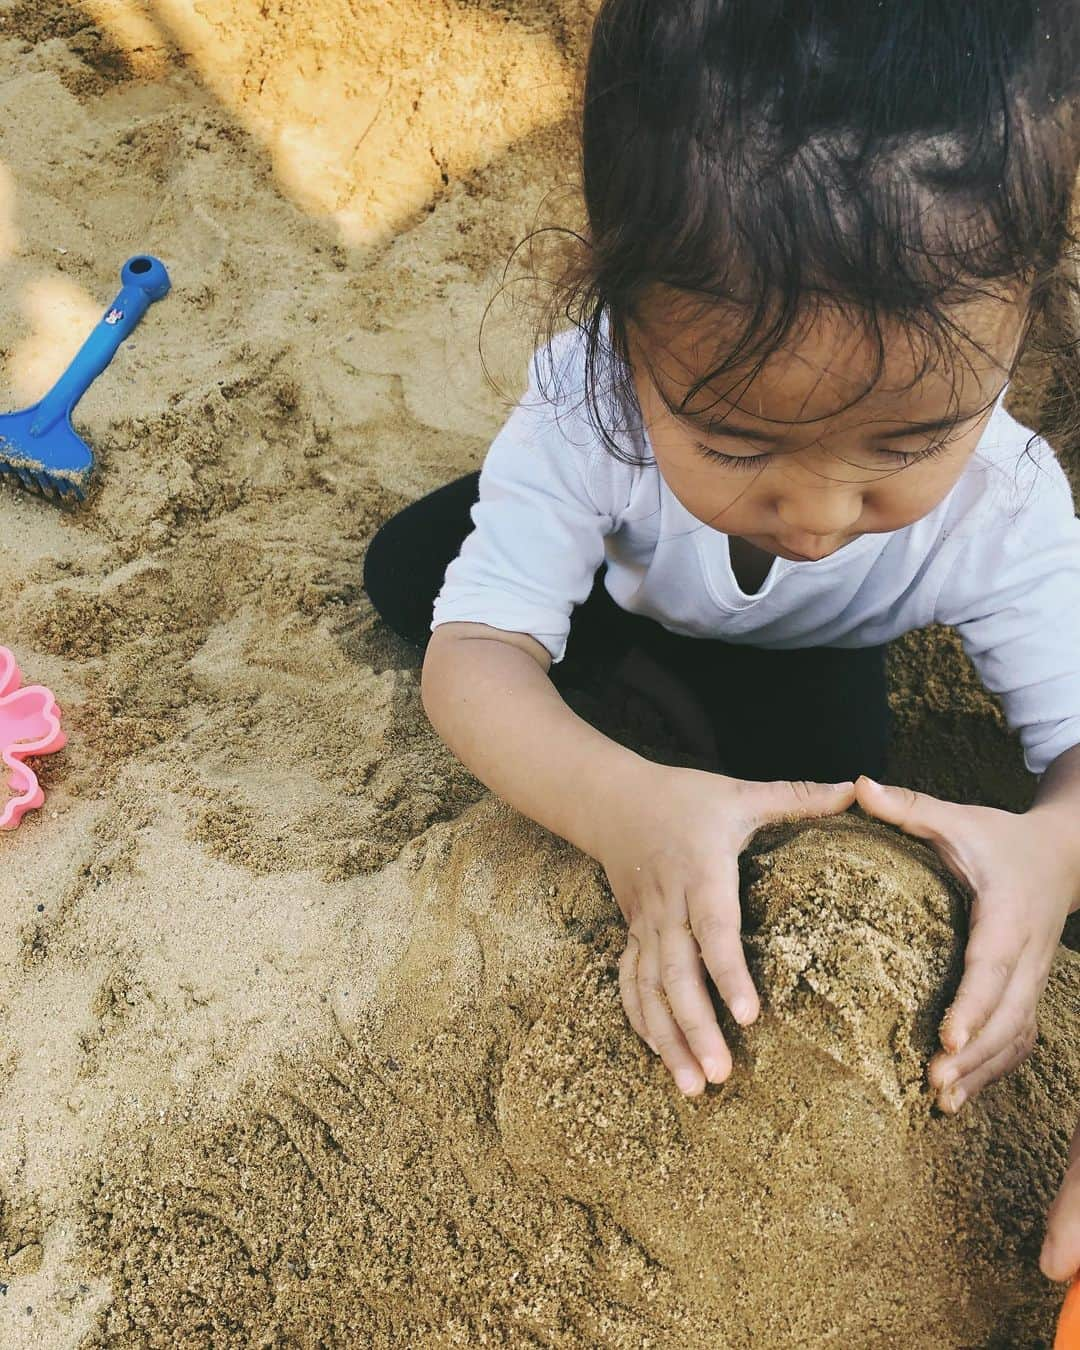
<point>716,919</point>
<point>1060,1256</point>
<point>682,974</point>
<point>990,959</point>
<point>794,799</point>
<point>1009,1023</point>
<point>1016,1048</point>
<point>916,813</point>
<point>663,1030</point>
<point>628,989</point>
<point>1014,1013</point>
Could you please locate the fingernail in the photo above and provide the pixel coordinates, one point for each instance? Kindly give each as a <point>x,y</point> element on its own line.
<point>742,1010</point>
<point>687,1080</point>
<point>872,781</point>
<point>955,1099</point>
<point>945,1077</point>
<point>712,1070</point>
<point>842,787</point>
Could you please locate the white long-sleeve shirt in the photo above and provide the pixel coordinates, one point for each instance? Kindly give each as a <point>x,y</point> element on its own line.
<point>998,557</point>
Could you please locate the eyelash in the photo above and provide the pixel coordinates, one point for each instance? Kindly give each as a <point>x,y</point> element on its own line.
<point>900,458</point>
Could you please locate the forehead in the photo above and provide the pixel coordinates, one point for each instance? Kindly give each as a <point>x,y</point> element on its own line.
<point>830,366</point>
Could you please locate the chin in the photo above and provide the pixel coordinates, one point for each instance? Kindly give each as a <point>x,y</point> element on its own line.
<point>791,556</point>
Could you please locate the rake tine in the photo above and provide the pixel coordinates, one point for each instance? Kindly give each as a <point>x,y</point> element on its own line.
<point>38,483</point>
<point>48,487</point>
<point>67,490</point>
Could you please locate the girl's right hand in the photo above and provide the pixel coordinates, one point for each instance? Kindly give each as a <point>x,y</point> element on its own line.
<point>671,854</point>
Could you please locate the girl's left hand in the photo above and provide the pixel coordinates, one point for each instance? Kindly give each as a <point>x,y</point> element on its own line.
<point>1024,884</point>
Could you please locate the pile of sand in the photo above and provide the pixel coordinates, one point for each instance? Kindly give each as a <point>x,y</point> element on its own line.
<point>302,1037</point>
<point>487,1155</point>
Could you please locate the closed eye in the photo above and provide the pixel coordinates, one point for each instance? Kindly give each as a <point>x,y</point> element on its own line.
<point>897,458</point>
<point>733,461</point>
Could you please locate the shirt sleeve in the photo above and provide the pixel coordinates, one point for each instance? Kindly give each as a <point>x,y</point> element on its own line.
<point>1013,594</point>
<point>538,533</point>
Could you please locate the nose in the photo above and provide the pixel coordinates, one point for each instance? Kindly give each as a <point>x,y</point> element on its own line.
<point>811,546</point>
<point>818,520</point>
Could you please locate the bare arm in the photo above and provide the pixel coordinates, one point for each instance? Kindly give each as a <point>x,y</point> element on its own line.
<point>488,696</point>
<point>1057,800</point>
<point>1059,792</point>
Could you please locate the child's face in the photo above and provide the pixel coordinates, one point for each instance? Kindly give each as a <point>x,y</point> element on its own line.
<point>812,486</point>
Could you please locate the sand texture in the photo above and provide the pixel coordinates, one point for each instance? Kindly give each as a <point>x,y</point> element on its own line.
<point>304,1040</point>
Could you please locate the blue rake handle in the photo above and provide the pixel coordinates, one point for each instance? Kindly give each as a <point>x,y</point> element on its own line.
<point>38,445</point>
<point>144,280</point>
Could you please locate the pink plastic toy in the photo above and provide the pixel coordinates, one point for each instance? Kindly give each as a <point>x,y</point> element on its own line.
<point>29,725</point>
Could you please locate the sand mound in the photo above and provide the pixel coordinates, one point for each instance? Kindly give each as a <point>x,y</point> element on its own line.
<point>492,1158</point>
<point>296,1025</point>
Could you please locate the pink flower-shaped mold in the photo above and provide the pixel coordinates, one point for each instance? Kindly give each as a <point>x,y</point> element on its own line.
<point>29,725</point>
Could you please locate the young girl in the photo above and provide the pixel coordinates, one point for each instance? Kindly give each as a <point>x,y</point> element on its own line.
<point>819,235</point>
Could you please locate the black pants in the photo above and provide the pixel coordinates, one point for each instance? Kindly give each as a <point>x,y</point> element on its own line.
<point>817,713</point>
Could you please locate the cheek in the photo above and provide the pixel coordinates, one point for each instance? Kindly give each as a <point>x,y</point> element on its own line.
<point>909,496</point>
<point>726,500</point>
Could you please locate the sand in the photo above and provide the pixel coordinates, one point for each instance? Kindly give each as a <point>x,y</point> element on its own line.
<point>304,1039</point>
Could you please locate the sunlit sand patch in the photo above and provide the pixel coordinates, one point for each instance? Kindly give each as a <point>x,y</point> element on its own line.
<point>9,234</point>
<point>59,316</point>
<point>360,128</point>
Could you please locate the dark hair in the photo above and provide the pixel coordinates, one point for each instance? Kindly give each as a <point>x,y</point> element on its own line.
<point>888,159</point>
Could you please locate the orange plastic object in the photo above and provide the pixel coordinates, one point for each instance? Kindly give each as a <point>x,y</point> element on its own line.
<point>29,725</point>
<point>1068,1327</point>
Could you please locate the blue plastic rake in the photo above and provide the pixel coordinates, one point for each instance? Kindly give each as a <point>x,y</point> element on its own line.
<point>39,446</point>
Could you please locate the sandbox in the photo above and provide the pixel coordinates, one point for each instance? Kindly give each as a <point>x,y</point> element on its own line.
<point>304,1039</point>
